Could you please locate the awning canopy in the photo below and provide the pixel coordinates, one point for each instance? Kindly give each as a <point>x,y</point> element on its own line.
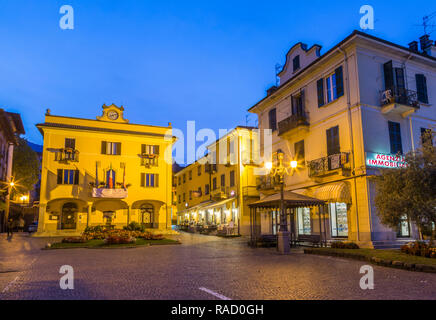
<point>334,192</point>
<point>291,199</point>
<point>217,204</point>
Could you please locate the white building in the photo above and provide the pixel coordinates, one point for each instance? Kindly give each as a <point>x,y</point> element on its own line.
<point>337,112</point>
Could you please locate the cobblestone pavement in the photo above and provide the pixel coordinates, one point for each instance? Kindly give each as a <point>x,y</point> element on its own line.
<point>223,266</point>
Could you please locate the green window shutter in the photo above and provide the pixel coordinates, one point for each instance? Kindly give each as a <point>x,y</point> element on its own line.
<point>156,149</point>
<point>388,75</point>
<point>339,82</point>
<point>143,146</point>
<point>60,176</point>
<point>320,90</point>
<point>421,88</point>
<point>156,180</point>
<point>76,177</point>
<point>103,147</point>
<point>118,148</point>
<point>142,179</point>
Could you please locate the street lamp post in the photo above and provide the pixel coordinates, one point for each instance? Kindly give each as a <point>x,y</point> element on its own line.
<point>280,170</point>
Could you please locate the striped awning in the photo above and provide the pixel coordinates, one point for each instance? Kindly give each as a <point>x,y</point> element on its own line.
<point>334,192</point>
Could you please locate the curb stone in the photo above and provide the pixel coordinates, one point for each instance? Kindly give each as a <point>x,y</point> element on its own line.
<point>377,261</point>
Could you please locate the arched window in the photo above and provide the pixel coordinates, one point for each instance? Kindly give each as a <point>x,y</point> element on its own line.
<point>147,213</point>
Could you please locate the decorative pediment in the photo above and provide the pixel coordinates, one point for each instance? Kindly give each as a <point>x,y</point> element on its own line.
<point>113,113</point>
<point>303,55</point>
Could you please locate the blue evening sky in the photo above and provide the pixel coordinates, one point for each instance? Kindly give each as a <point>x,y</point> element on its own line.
<point>169,61</point>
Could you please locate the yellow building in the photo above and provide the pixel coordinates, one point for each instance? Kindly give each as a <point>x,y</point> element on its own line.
<point>214,192</point>
<point>103,172</point>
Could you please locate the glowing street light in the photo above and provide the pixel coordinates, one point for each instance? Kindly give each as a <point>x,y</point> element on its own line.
<point>280,171</point>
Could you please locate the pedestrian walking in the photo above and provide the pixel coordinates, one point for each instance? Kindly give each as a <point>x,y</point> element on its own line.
<point>10,228</point>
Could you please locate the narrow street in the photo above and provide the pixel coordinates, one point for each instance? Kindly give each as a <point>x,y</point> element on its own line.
<point>203,267</point>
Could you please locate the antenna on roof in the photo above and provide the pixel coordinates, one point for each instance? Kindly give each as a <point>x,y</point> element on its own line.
<point>425,23</point>
<point>278,68</point>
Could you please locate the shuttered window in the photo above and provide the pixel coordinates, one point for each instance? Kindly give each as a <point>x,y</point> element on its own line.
<point>388,71</point>
<point>320,90</point>
<point>421,88</point>
<point>299,150</point>
<point>339,82</point>
<point>70,143</point>
<point>333,146</point>
<point>395,137</point>
<point>232,178</point>
<point>149,180</point>
<point>272,119</point>
<point>67,176</point>
<point>111,148</point>
<point>296,63</point>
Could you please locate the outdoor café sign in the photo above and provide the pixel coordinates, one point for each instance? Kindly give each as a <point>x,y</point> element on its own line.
<point>380,160</point>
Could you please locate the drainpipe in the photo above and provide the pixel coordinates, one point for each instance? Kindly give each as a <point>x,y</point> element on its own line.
<point>350,124</point>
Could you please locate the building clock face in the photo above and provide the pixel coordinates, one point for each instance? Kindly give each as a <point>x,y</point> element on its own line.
<point>113,115</point>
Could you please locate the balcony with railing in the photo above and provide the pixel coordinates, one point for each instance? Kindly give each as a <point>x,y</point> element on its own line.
<point>67,155</point>
<point>295,121</point>
<point>149,160</point>
<point>333,164</point>
<point>221,193</point>
<point>264,183</point>
<point>400,101</point>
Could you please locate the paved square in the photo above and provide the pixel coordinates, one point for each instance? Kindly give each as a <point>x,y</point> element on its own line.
<point>203,267</point>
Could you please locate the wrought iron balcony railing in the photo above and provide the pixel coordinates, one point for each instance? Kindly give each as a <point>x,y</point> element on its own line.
<point>67,154</point>
<point>292,122</point>
<point>324,166</point>
<point>265,182</point>
<point>401,96</point>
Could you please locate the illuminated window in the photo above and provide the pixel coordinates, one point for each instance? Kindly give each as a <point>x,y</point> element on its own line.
<point>338,219</point>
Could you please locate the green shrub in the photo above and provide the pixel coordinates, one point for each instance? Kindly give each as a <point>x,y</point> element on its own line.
<point>344,245</point>
<point>135,226</point>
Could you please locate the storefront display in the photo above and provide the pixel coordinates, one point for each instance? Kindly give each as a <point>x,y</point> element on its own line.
<point>303,220</point>
<point>339,219</point>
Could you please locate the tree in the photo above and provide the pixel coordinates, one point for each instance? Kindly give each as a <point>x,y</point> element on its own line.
<point>410,190</point>
<point>26,166</point>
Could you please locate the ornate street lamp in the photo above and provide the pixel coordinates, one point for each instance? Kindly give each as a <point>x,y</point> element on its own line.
<point>280,170</point>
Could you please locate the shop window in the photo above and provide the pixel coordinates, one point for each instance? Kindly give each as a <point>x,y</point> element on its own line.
<point>303,220</point>
<point>338,219</point>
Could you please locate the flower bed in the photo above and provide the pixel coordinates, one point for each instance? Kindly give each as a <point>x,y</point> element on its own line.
<point>419,248</point>
<point>344,245</point>
<point>99,233</point>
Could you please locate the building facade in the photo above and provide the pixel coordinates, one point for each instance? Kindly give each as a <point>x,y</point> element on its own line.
<point>11,127</point>
<point>214,192</point>
<point>343,115</point>
<point>103,172</point>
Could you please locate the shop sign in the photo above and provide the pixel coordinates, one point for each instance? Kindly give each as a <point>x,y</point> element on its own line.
<point>380,160</point>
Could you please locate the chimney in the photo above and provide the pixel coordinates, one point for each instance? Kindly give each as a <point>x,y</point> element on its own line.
<point>413,46</point>
<point>426,43</point>
<point>271,90</point>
